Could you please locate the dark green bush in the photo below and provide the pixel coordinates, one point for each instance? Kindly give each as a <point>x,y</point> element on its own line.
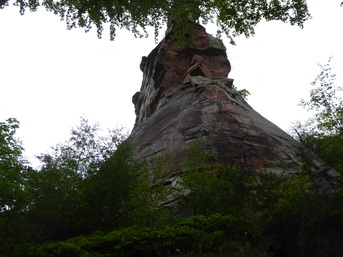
<point>198,234</point>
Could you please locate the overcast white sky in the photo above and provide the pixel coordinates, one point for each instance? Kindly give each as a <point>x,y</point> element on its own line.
<point>50,76</point>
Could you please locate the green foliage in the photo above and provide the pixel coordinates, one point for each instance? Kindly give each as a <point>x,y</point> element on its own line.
<point>242,92</point>
<point>54,208</point>
<point>323,134</point>
<point>296,217</point>
<point>11,165</point>
<point>85,151</point>
<point>233,18</point>
<point>123,208</point>
<point>196,236</point>
<point>66,203</point>
<point>107,193</point>
<point>13,186</point>
<point>326,102</point>
<point>81,187</point>
<point>327,147</point>
<point>148,111</point>
<point>279,216</point>
<point>216,190</point>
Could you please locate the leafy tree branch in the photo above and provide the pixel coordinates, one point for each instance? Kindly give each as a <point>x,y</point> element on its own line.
<point>233,17</point>
<point>323,133</point>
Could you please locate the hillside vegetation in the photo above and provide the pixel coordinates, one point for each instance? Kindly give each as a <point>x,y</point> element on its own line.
<point>91,198</point>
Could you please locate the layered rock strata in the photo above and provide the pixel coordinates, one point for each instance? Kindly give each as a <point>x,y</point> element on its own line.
<point>186,94</point>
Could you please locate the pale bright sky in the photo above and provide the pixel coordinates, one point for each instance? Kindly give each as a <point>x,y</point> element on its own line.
<point>50,76</point>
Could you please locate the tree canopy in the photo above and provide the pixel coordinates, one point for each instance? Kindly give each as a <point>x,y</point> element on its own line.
<point>232,18</point>
<point>323,133</point>
<point>12,165</point>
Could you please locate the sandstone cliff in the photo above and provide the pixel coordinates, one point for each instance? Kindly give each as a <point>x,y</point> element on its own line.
<point>185,94</point>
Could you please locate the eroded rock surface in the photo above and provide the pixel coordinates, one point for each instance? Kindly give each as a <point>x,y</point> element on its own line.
<point>185,94</point>
<point>169,66</point>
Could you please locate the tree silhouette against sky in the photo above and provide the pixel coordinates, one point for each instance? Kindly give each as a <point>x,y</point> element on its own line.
<point>233,18</point>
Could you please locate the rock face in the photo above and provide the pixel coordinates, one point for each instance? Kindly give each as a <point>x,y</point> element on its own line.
<point>169,66</point>
<point>186,94</point>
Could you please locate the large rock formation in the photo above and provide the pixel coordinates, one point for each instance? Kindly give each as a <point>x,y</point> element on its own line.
<point>185,94</point>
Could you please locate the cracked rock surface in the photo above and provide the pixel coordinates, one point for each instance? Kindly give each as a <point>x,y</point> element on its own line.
<point>186,94</point>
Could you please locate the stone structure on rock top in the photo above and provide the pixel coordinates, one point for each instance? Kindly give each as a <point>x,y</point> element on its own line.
<point>185,94</point>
